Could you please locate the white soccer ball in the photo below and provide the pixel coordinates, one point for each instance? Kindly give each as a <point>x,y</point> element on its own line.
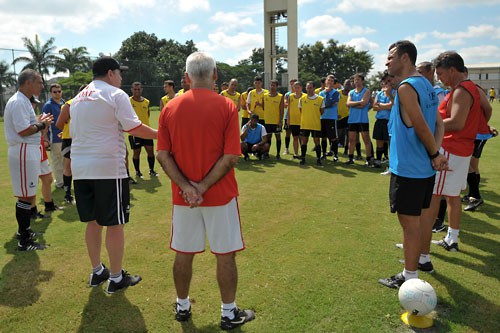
<point>418,297</point>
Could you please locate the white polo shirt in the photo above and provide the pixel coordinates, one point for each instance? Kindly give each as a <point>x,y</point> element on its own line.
<point>19,116</point>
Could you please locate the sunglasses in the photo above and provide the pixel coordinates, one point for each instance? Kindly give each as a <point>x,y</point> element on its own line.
<point>56,91</point>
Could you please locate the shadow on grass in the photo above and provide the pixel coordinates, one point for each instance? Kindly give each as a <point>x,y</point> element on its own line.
<point>148,185</point>
<point>468,309</point>
<point>113,313</point>
<point>190,327</point>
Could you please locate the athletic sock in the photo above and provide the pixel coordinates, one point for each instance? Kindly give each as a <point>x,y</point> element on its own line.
<point>33,211</point>
<point>424,258</point>
<point>452,236</point>
<point>358,148</point>
<point>442,209</point>
<point>67,184</point>
<point>473,185</point>
<point>23,217</point>
<point>303,150</point>
<point>410,274</point>
<point>335,148</point>
<point>278,147</point>
<point>116,277</point>
<point>136,162</point>
<point>380,152</point>
<point>227,310</point>
<point>151,162</point>
<point>351,157</point>
<point>183,304</point>
<point>324,144</point>
<point>287,142</point>
<point>98,269</point>
<point>386,150</point>
<point>318,151</point>
<point>49,204</point>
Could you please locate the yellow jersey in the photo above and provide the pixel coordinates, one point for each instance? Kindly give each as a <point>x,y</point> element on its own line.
<point>141,109</point>
<point>293,109</point>
<point>254,97</point>
<point>310,115</point>
<point>343,110</point>
<point>243,105</point>
<point>165,99</point>
<point>272,108</point>
<point>235,98</point>
<point>65,132</point>
<point>180,92</point>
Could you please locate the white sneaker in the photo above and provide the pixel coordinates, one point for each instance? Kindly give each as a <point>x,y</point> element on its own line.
<point>386,172</point>
<point>286,152</point>
<point>399,245</point>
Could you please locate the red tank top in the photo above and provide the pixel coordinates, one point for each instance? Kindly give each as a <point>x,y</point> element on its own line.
<point>461,143</point>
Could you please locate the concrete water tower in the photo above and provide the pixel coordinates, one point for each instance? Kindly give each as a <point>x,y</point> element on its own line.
<point>280,13</point>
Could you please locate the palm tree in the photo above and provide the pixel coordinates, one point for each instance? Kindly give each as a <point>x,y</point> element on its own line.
<point>42,57</point>
<point>6,79</point>
<point>73,60</point>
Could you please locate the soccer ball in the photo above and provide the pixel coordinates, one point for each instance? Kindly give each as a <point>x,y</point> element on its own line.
<point>417,296</point>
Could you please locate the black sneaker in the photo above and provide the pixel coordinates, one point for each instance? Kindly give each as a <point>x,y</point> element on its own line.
<point>138,174</point>
<point>349,161</point>
<point>394,281</point>
<point>302,162</point>
<point>182,315</point>
<point>278,157</point>
<point>318,163</point>
<point>438,226</point>
<point>323,157</point>
<point>473,204</point>
<point>127,281</point>
<point>98,279</point>
<point>453,247</point>
<point>153,173</point>
<point>32,235</point>
<point>296,157</point>
<point>427,267</point>
<point>68,198</point>
<point>38,215</point>
<point>330,153</point>
<point>132,181</point>
<point>335,158</point>
<point>53,208</point>
<point>31,246</point>
<point>240,317</point>
<point>465,199</point>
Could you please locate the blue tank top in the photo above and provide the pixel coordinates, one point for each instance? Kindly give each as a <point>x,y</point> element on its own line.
<point>383,114</point>
<point>408,156</point>
<point>358,115</point>
<point>331,97</point>
<point>254,135</point>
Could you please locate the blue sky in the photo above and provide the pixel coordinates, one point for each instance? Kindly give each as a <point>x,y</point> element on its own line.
<point>230,29</point>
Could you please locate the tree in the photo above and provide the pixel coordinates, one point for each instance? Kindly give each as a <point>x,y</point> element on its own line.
<point>76,59</point>
<point>72,83</point>
<point>373,82</point>
<point>6,80</point>
<point>42,57</point>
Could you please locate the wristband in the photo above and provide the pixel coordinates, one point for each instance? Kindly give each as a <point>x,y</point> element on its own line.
<point>40,126</point>
<point>433,156</point>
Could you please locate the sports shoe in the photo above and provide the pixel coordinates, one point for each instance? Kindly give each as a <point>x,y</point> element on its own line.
<point>68,198</point>
<point>53,208</point>
<point>30,246</point>
<point>330,153</point>
<point>335,158</point>
<point>400,245</point>
<point>323,157</point>
<point>473,204</point>
<point>132,181</point>
<point>240,317</point>
<point>153,173</point>
<point>386,172</point>
<point>33,234</point>
<point>302,162</point>
<point>38,215</point>
<point>453,247</point>
<point>286,152</point>
<point>465,199</point>
<point>438,226</point>
<point>394,281</point>
<point>427,267</point>
<point>349,161</point>
<point>296,157</point>
<point>358,158</point>
<point>278,157</point>
<point>318,163</point>
<point>182,315</point>
<point>138,174</point>
<point>98,279</point>
<point>127,281</point>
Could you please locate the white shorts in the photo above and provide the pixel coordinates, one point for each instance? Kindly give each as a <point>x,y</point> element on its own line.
<point>45,168</point>
<point>24,166</point>
<point>451,182</point>
<point>220,224</point>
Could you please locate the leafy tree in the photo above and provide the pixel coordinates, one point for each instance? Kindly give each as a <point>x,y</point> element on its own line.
<point>76,59</point>
<point>6,80</point>
<point>42,57</point>
<point>373,82</point>
<point>172,60</point>
<point>72,83</point>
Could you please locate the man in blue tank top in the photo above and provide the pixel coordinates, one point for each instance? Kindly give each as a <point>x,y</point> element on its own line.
<point>416,133</point>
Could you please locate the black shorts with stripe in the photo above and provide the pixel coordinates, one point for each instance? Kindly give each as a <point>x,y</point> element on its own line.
<point>137,143</point>
<point>329,128</point>
<point>408,196</point>
<point>66,148</point>
<point>107,201</point>
<point>478,148</point>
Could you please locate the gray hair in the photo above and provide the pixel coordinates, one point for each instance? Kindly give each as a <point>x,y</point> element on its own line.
<point>200,66</point>
<point>27,75</point>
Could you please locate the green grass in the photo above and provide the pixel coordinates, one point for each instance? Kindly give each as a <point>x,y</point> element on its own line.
<point>317,241</point>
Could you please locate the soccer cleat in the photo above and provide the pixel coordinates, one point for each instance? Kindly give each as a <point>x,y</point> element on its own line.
<point>278,157</point>
<point>302,162</point>
<point>323,157</point>
<point>98,279</point>
<point>465,199</point>
<point>240,318</point>
<point>394,281</point>
<point>453,247</point>
<point>286,152</point>
<point>473,204</point>
<point>32,234</point>
<point>138,174</point>
<point>53,208</point>
<point>318,163</point>
<point>386,172</point>
<point>349,161</point>
<point>31,246</point>
<point>400,245</point>
<point>153,173</point>
<point>126,281</point>
<point>38,215</point>
<point>330,153</point>
<point>68,198</point>
<point>427,267</point>
<point>438,226</point>
<point>358,158</point>
<point>335,158</point>
<point>182,315</point>
<point>296,157</point>
<point>131,181</point>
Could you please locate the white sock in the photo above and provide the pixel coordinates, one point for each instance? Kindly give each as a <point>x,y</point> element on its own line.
<point>116,277</point>
<point>410,274</point>
<point>183,303</point>
<point>424,258</point>
<point>452,236</point>
<point>227,310</point>
<point>98,269</point>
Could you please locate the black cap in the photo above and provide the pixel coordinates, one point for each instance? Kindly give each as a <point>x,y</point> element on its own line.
<point>35,100</point>
<point>102,65</point>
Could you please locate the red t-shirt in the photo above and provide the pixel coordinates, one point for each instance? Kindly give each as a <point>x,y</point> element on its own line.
<point>461,143</point>
<point>198,128</point>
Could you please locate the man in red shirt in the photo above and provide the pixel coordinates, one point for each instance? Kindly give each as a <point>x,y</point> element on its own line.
<point>198,147</point>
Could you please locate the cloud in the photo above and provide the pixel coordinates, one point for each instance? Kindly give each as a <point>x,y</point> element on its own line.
<point>363,44</point>
<point>327,25</point>
<point>191,5</point>
<point>480,53</point>
<point>399,6</point>
<point>190,28</point>
<point>226,19</point>
<point>416,38</point>
<point>304,2</point>
<point>473,31</point>
<point>238,46</point>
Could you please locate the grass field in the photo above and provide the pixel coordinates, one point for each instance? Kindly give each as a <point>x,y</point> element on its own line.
<point>317,242</point>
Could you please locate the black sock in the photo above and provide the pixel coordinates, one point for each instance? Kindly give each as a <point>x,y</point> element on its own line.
<point>278,147</point>
<point>318,151</point>
<point>335,148</point>
<point>49,204</point>
<point>287,142</point>
<point>358,148</point>
<point>473,185</point>
<point>151,162</point>
<point>67,184</point>
<point>303,150</point>
<point>386,150</point>
<point>442,209</point>
<point>351,157</point>
<point>324,144</point>
<point>34,211</point>
<point>136,162</point>
<point>380,152</point>
<point>23,216</point>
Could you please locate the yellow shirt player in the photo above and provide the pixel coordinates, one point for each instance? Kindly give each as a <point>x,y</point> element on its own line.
<point>311,108</point>
<point>293,117</point>
<point>231,93</point>
<point>255,100</point>
<point>168,86</point>
<point>273,111</point>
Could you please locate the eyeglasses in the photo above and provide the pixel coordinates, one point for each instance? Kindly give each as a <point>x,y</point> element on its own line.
<point>56,91</point>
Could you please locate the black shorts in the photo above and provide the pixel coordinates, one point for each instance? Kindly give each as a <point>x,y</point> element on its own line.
<point>295,129</point>
<point>359,127</point>
<point>66,148</point>
<point>380,130</point>
<point>478,148</point>
<point>96,199</point>
<point>273,128</point>
<point>137,143</point>
<point>408,196</point>
<point>342,123</point>
<point>329,128</point>
<point>315,134</point>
